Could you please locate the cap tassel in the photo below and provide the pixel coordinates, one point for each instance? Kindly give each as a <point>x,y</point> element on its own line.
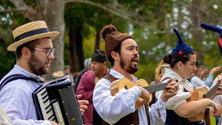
<point>181,47</point>
<point>215,29</point>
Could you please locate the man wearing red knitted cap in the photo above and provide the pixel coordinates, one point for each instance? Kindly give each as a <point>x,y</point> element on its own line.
<point>122,52</point>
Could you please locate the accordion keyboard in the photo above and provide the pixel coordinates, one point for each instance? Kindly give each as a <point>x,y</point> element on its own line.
<point>56,101</point>
<point>45,105</point>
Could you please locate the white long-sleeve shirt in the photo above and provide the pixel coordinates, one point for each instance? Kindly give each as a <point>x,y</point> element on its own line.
<point>112,108</point>
<point>16,99</point>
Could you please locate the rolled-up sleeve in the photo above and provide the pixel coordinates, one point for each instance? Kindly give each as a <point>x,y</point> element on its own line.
<point>176,100</point>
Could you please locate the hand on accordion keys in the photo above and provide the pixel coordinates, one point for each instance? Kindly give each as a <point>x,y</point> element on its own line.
<point>82,104</point>
<point>53,123</point>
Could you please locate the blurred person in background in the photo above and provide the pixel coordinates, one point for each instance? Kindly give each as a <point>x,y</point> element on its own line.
<point>88,82</point>
<point>67,72</point>
<point>87,65</point>
<point>199,77</point>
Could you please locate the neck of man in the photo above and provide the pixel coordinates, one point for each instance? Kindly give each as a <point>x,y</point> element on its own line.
<point>122,71</point>
<point>102,73</point>
<point>23,64</point>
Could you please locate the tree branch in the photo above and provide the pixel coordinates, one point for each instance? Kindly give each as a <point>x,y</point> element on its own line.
<point>106,8</point>
<point>30,13</point>
<point>40,9</point>
<point>13,10</point>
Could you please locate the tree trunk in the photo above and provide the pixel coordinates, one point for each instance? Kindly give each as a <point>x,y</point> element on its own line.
<point>97,44</point>
<point>197,32</point>
<point>72,49</point>
<point>53,13</point>
<point>79,47</point>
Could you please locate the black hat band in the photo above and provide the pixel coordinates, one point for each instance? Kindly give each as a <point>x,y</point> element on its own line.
<point>31,33</point>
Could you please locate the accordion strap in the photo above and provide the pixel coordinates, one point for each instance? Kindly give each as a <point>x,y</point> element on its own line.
<point>15,77</point>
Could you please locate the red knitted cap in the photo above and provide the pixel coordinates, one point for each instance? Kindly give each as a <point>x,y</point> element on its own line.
<point>112,38</point>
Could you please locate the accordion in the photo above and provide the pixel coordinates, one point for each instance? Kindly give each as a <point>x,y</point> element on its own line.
<point>56,101</point>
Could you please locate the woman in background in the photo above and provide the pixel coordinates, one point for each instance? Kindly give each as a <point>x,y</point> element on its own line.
<point>182,62</point>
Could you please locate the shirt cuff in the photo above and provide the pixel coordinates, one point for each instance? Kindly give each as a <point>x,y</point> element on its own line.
<point>161,104</point>
<point>47,123</point>
<point>136,91</point>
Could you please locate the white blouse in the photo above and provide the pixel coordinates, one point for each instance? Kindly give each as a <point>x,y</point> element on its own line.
<point>181,96</point>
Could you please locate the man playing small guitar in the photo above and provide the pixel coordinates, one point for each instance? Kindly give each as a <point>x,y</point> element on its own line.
<point>119,109</point>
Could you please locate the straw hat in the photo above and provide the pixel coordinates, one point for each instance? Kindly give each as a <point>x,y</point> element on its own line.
<point>58,74</point>
<point>30,31</point>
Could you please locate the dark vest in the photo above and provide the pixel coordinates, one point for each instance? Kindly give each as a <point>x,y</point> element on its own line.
<point>132,118</point>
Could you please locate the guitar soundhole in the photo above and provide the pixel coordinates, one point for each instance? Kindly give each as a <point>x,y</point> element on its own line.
<point>125,86</point>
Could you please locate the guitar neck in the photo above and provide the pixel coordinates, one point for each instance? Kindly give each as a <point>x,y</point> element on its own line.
<point>157,87</point>
<point>212,91</point>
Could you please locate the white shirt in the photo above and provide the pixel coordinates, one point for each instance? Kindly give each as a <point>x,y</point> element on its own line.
<point>16,99</point>
<point>113,108</point>
<point>181,96</point>
<point>4,119</point>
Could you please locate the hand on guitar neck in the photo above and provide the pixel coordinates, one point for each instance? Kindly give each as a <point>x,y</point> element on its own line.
<point>219,89</point>
<point>171,88</point>
<point>170,91</point>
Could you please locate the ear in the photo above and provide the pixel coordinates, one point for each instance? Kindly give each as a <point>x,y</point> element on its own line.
<point>104,64</point>
<point>114,55</point>
<point>179,65</point>
<point>26,53</point>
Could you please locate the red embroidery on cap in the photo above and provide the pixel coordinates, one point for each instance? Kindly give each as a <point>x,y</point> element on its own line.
<point>220,42</point>
<point>180,53</point>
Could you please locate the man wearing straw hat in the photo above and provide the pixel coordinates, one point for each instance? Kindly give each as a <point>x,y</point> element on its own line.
<point>34,51</point>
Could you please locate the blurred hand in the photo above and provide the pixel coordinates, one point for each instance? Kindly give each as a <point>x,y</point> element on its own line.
<point>82,104</point>
<point>145,96</point>
<point>53,123</point>
<point>215,69</point>
<point>170,91</point>
<point>203,74</point>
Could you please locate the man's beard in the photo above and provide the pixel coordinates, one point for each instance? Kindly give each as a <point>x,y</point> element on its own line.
<point>131,69</point>
<point>35,66</point>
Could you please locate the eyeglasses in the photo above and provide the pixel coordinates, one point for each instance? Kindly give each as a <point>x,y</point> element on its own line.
<point>48,51</point>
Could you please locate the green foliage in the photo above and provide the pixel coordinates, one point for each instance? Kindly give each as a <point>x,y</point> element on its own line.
<point>7,61</point>
<point>154,39</point>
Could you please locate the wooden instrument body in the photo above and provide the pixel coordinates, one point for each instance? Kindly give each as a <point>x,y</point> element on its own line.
<point>196,95</point>
<point>121,83</point>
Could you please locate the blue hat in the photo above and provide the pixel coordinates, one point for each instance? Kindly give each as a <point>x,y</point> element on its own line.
<point>181,47</point>
<point>215,29</point>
